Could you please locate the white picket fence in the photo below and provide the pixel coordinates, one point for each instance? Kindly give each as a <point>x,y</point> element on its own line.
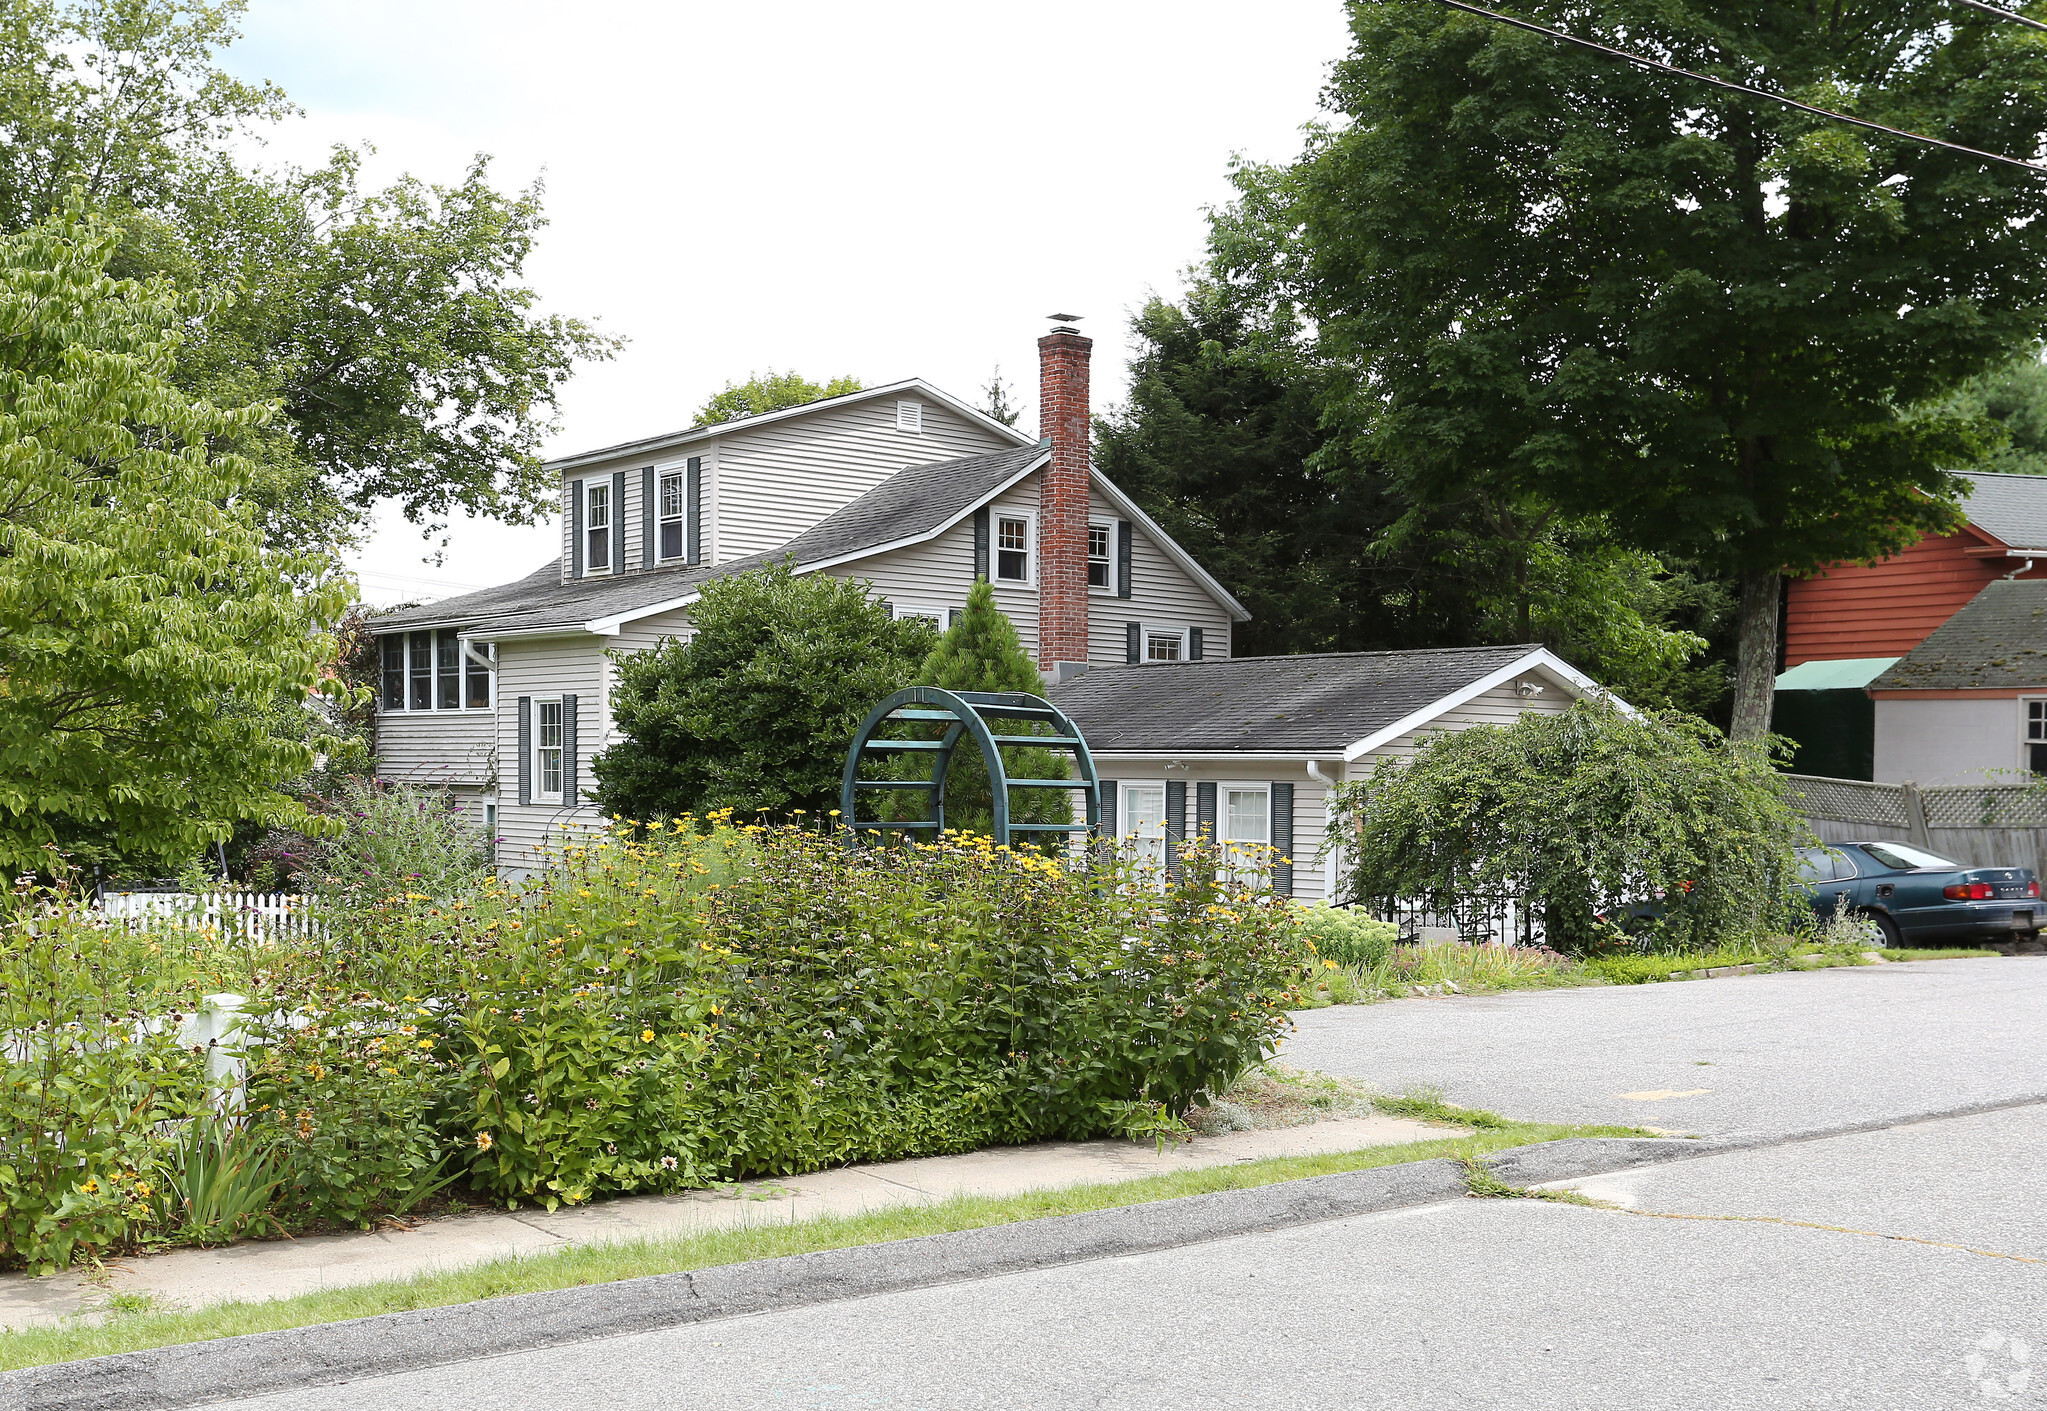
<point>230,911</point>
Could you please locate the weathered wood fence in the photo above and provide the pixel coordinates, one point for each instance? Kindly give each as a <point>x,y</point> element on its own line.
<point>1984,825</point>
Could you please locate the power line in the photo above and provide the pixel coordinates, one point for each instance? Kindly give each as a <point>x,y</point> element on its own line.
<point>1643,61</point>
<point>2001,14</point>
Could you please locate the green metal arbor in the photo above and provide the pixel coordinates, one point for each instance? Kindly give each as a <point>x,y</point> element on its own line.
<point>966,713</point>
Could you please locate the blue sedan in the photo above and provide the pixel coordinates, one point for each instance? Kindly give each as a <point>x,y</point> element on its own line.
<point>1916,899</point>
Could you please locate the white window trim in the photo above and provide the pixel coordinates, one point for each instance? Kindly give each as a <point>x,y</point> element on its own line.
<point>903,610</point>
<point>405,706</point>
<point>541,795</point>
<point>1124,825</point>
<point>679,469</point>
<point>1222,814</point>
<point>611,518</point>
<point>910,417</point>
<point>1145,632</point>
<point>1109,590</point>
<point>1030,520</point>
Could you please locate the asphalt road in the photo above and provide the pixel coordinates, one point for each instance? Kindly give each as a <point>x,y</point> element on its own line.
<point>1773,1053</point>
<point>1929,1292</point>
<point>1467,1304</point>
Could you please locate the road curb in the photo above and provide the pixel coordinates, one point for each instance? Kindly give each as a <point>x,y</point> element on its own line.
<point>225,1369</point>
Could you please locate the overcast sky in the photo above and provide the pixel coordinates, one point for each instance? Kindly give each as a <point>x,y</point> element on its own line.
<point>897,190</point>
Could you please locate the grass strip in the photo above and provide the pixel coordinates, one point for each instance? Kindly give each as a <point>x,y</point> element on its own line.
<point>1920,953</point>
<point>133,1331</point>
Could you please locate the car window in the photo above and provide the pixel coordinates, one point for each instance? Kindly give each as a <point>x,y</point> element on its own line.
<point>1844,865</point>
<point>1903,858</point>
<point>1814,865</point>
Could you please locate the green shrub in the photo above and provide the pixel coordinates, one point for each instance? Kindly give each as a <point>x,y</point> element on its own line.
<point>1348,937</point>
<point>754,711</point>
<point>87,1081</point>
<point>1594,819</point>
<point>394,839</point>
<point>662,1013</point>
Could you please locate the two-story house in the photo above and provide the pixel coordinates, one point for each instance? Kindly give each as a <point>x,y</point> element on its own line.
<point>503,696</point>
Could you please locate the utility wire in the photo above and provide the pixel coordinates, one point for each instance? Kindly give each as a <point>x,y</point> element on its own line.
<point>2001,14</point>
<point>1644,61</point>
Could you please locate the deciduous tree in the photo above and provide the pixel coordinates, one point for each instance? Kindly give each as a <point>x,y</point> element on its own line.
<point>1718,322</point>
<point>144,629</point>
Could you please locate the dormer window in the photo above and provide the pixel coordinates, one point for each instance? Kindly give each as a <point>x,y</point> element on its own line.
<point>910,417</point>
<point>597,528</point>
<point>1012,549</point>
<point>673,488</point>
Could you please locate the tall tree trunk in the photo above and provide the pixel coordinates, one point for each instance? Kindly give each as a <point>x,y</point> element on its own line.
<point>1755,659</point>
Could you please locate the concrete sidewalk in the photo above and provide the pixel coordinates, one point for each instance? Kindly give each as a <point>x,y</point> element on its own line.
<point>261,1270</point>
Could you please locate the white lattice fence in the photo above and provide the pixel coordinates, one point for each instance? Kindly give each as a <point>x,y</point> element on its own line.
<point>1848,800</point>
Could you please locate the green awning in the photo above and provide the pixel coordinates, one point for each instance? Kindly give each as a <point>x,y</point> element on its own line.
<point>1835,675</point>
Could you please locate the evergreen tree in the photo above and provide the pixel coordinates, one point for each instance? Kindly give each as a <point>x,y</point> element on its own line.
<point>981,652</point>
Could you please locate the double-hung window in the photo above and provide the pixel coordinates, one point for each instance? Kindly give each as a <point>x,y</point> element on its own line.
<point>1247,829</point>
<point>447,669</point>
<point>1141,819</point>
<point>674,485</point>
<point>597,528</point>
<point>1100,540</point>
<point>480,674</point>
<point>2036,736</point>
<point>547,750</point>
<point>1012,548</point>
<point>394,671</point>
<point>422,696</point>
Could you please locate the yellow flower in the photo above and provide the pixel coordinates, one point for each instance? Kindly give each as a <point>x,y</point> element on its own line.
<point>646,1036</point>
<point>90,1187</point>
<point>426,1043</point>
<point>483,1141</point>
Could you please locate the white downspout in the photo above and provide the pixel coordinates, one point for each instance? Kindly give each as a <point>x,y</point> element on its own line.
<point>1331,863</point>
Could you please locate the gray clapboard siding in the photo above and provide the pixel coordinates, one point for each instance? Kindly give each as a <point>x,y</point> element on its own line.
<point>1500,706</point>
<point>435,747</point>
<point>777,480</point>
<point>540,668</point>
<point>1162,594</point>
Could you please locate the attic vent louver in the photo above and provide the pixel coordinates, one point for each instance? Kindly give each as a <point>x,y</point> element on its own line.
<point>910,417</point>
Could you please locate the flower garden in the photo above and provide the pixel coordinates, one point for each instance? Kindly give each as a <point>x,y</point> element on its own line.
<point>662,1010</point>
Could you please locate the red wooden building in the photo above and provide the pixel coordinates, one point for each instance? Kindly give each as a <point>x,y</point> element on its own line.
<point>1856,695</point>
<point>1856,611</point>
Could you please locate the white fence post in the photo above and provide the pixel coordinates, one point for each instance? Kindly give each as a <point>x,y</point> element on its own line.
<point>216,1027</point>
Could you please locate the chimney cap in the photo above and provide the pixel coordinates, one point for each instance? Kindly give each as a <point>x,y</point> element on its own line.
<point>1065,318</point>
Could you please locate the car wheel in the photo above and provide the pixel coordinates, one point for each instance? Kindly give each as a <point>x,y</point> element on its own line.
<point>1886,928</point>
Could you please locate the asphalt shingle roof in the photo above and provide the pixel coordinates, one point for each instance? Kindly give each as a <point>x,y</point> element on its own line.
<point>1266,705</point>
<point>909,504</point>
<point>2012,507</point>
<point>1998,639</point>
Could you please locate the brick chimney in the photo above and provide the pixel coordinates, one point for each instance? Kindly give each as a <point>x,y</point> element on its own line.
<point>1063,499</point>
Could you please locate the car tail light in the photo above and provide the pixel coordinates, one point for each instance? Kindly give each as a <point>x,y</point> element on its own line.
<point>2032,889</point>
<point>1975,891</point>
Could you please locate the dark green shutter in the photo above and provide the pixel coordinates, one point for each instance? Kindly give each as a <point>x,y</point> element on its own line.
<point>569,750</point>
<point>1108,808</point>
<point>525,749</point>
<point>1125,532</point>
<point>1176,823</point>
<point>1194,644</point>
<point>1204,811</point>
<point>576,528</point>
<point>1133,632</point>
<point>617,531</point>
<point>1282,837</point>
<point>647,545</point>
<point>981,543</point>
<point>696,509</point>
